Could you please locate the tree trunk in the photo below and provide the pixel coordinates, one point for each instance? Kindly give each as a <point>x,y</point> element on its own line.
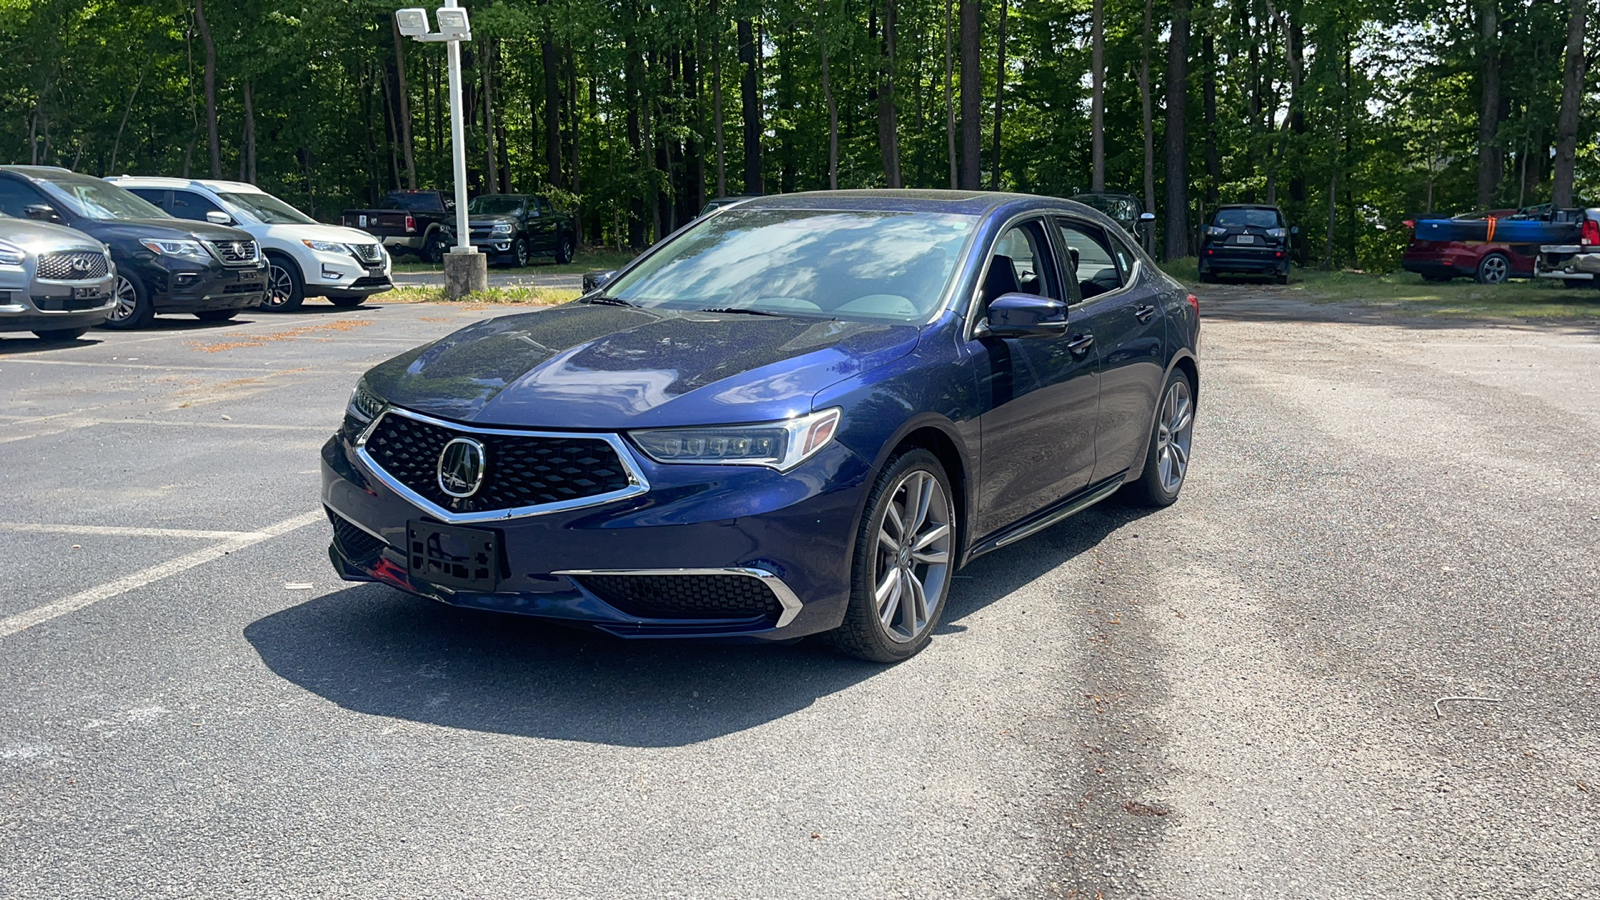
<point>1146,103</point>
<point>750,97</point>
<point>1572,79</point>
<point>888,125</point>
<point>552,111</point>
<point>717,31</point>
<point>1209,99</point>
<point>999,95</point>
<point>833,111</point>
<point>403,96</point>
<point>1177,150</point>
<point>1097,102</point>
<point>949,95</point>
<point>210,46</point>
<point>971,96</point>
<point>248,161</point>
<point>1294,53</point>
<point>1489,110</point>
<point>491,169</point>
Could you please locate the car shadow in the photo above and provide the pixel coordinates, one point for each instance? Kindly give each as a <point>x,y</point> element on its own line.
<point>375,650</point>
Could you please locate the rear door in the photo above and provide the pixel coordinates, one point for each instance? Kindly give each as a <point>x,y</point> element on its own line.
<point>1124,313</point>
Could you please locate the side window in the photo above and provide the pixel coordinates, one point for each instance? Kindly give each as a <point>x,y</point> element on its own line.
<point>1021,263</point>
<point>1090,260</point>
<point>1125,256</point>
<point>16,196</point>
<point>537,206</point>
<point>189,205</point>
<point>158,197</point>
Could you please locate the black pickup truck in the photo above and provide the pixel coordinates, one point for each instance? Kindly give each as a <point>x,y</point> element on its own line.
<point>420,222</point>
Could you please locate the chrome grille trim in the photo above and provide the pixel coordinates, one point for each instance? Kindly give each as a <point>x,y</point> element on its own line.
<point>234,253</point>
<point>63,266</point>
<point>372,254</point>
<point>785,594</point>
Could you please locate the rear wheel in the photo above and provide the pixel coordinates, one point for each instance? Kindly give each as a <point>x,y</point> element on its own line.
<point>60,334</point>
<point>1494,269</point>
<point>133,309</point>
<point>286,290</point>
<point>216,315</point>
<point>1283,277</point>
<point>348,301</point>
<point>904,557</point>
<point>1167,462</point>
<point>1208,277</point>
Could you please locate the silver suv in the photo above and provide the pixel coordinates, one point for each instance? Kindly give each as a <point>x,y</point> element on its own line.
<point>54,281</point>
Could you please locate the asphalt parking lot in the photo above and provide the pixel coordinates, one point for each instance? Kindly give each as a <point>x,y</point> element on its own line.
<point>1239,696</point>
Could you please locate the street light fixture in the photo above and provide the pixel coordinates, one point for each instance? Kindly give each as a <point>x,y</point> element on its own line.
<point>465,269</point>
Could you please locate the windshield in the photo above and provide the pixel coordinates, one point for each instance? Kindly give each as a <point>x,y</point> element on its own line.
<point>92,198</point>
<point>1248,218</point>
<point>264,208</point>
<point>494,205</point>
<point>854,265</point>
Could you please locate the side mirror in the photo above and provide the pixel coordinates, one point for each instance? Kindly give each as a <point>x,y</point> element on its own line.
<point>1147,218</point>
<point>41,212</point>
<point>1024,315</point>
<point>217,217</point>
<point>594,281</point>
<point>1295,230</point>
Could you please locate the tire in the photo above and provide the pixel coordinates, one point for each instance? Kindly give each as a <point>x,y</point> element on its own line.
<point>1166,462</point>
<point>348,301</point>
<point>1208,277</point>
<point>564,248</point>
<point>286,289</point>
<point>216,315</point>
<point>519,253</point>
<point>1494,268</point>
<point>1282,278</point>
<point>60,334</point>
<point>893,574</point>
<point>133,309</point>
<point>433,248</point>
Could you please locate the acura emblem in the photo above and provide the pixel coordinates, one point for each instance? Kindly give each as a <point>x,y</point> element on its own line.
<point>461,465</point>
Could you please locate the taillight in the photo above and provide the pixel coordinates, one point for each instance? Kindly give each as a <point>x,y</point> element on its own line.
<point>1591,232</point>
<point>411,223</point>
<point>1195,302</point>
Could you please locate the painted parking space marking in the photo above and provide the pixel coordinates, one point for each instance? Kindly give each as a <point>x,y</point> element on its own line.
<point>84,599</point>
<point>121,531</point>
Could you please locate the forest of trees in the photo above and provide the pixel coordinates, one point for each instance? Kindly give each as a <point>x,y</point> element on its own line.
<point>1351,114</point>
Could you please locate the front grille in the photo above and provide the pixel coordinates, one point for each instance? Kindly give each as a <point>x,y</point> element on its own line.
<point>371,254</point>
<point>234,253</point>
<point>519,470</point>
<point>356,545</point>
<point>81,265</point>
<point>685,596</point>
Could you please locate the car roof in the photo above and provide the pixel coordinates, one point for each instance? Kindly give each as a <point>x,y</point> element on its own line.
<point>41,172</point>
<point>901,200</point>
<point>1221,206</point>
<point>158,181</point>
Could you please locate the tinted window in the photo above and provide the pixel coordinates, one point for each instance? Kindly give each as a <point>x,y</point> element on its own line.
<point>15,196</point>
<point>494,205</point>
<point>416,202</point>
<point>189,205</point>
<point>854,265</point>
<point>154,195</point>
<point>1248,218</point>
<point>1090,257</point>
<point>92,198</point>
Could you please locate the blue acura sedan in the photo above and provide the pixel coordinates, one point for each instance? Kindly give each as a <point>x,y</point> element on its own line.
<point>800,414</point>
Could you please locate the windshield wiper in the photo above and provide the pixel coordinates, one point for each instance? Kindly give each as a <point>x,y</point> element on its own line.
<point>745,310</point>
<point>608,301</point>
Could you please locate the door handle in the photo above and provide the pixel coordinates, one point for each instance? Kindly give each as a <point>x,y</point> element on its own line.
<point>1144,313</point>
<point>1081,344</point>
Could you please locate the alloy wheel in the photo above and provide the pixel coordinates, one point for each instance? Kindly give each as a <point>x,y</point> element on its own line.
<point>280,286</point>
<point>1175,435</point>
<point>912,556</point>
<point>127,301</point>
<point>1495,269</point>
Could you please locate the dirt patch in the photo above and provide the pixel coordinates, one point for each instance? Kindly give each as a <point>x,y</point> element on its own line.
<point>261,340</point>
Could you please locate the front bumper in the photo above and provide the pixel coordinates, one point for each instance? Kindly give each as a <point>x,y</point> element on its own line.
<point>40,304</point>
<point>330,275</point>
<point>1244,259</point>
<point>179,285</point>
<point>790,532</point>
<point>1569,264</point>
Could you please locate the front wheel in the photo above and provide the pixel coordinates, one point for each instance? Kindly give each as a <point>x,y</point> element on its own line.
<point>286,290</point>
<point>433,249</point>
<point>1494,269</point>
<point>519,253</point>
<point>133,309</point>
<point>1167,462</point>
<point>904,557</point>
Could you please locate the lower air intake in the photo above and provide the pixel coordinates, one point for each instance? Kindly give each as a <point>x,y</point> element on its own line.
<point>708,596</point>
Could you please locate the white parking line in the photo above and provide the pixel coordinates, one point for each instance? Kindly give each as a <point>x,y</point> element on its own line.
<point>119,531</point>
<point>32,617</point>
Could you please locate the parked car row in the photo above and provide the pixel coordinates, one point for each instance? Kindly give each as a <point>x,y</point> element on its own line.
<point>511,229</point>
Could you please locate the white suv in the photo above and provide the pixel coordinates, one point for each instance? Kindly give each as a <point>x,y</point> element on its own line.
<point>306,258</point>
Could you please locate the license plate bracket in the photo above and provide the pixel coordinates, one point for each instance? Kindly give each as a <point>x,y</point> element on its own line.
<point>87,293</point>
<point>464,559</point>
<point>1247,239</point>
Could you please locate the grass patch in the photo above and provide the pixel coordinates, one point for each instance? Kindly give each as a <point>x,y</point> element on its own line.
<point>523,296</point>
<point>585,261</point>
<point>1407,292</point>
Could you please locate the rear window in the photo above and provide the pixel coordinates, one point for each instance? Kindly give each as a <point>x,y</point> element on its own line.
<point>412,202</point>
<point>1248,218</point>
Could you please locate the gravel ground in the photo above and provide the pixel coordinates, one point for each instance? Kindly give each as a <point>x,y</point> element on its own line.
<point>1234,697</point>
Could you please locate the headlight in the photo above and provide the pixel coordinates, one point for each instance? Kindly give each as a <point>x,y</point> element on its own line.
<point>11,254</point>
<point>364,404</point>
<point>327,247</point>
<point>1279,233</point>
<point>164,247</point>
<point>1215,231</point>
<point>778,445</point>
<point>501,228</point>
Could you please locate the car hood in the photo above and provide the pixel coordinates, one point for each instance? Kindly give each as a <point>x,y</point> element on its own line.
<point>43,237</point>
<point>487,221</point>
<point>292,235</point>
<point>134,229</point>
<point>607,367</point>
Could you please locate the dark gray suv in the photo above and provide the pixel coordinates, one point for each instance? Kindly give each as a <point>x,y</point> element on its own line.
<point>54,281</point>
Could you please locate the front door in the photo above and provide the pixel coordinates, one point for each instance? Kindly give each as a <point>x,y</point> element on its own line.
<point>1042,392</point>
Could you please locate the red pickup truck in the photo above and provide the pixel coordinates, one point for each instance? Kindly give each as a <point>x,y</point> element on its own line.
<point>419,222</point>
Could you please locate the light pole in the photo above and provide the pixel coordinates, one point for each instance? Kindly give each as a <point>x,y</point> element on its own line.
<point>465,269</point>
